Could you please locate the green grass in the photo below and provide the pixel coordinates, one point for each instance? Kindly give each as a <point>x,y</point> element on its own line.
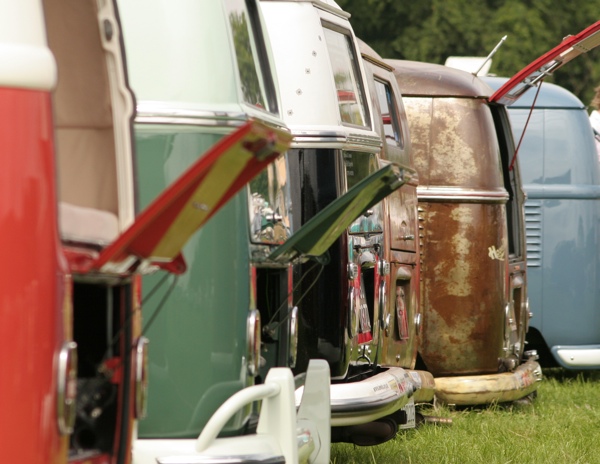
<point>562,425</point>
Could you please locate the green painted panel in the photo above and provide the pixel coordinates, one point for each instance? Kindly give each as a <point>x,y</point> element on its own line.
<point>196,340</point>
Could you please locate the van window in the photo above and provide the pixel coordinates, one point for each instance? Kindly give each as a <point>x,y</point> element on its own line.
<point>251,75</point>
<point>346,75</point>
<point>389,113</point>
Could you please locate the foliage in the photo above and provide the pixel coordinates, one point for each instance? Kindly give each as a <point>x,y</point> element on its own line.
<point>432,30</point>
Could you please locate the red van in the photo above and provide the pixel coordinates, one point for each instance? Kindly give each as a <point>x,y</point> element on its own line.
<point>73,352</point>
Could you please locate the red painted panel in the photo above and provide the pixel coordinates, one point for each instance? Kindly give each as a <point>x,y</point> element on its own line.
<point>31,281</point>
<point>549,62</point>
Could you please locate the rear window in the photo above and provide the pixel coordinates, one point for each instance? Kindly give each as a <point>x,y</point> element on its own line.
<point>389,113</point>
<point>346,75</point>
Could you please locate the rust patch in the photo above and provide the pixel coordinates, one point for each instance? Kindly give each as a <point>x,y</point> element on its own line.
<point>463,290</point>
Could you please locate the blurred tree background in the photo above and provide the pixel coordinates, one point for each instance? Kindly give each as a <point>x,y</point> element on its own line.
<point>432,30</point>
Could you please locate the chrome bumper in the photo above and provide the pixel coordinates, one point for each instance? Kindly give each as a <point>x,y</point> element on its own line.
<point>364,401</point>
<point>577,356</point>
<point>490,388</point>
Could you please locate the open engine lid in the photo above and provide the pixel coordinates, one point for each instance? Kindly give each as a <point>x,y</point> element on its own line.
<point>320,232</point>
<point>162,229</point>
<point>571,47</point>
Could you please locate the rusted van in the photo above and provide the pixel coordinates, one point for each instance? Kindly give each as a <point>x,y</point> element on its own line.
<point>471,206</point>
<point>472,231</point>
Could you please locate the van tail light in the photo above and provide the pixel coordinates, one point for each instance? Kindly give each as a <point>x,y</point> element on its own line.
<point>141,377</point>
<point>253,338</point>
<point>66,391</point>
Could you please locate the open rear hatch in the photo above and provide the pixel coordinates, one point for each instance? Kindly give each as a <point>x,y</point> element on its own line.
<point>162,229</point>
<point>571,47</point>
<point>112,377</point>
<point>319,233</point>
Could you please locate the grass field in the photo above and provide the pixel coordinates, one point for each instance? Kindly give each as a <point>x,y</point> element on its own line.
<point>562,425</point>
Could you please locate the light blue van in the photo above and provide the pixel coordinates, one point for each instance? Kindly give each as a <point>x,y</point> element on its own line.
<point>561,176</point>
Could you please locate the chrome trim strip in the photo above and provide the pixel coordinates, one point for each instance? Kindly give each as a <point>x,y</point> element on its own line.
<point>253,340</point>
<point>293,334</point>
<point>338,143</point>
<point>461,195</point>
<point>364,139</point>
<point>157,113</point>
<point>186,121</point>
<point>376,62</point>
<point>557,192</point>
<point>330,9</point>
<point>141,377</point>
<point>342,139</point>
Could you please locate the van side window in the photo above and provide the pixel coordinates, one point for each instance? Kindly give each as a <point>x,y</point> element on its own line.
<point>346,75</point>
<point>251,75</point>
<point>389,113</point>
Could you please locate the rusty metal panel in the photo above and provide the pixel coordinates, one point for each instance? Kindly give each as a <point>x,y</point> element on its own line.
<point>464,234</point>
<point>416,78</point>
<point>455,144</point>
<point>463,287</point>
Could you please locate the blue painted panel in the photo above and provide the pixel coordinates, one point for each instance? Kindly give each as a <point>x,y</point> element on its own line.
<point>560,172</point>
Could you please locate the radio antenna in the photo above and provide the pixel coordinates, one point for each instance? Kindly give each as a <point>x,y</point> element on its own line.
<point>492,53</point>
